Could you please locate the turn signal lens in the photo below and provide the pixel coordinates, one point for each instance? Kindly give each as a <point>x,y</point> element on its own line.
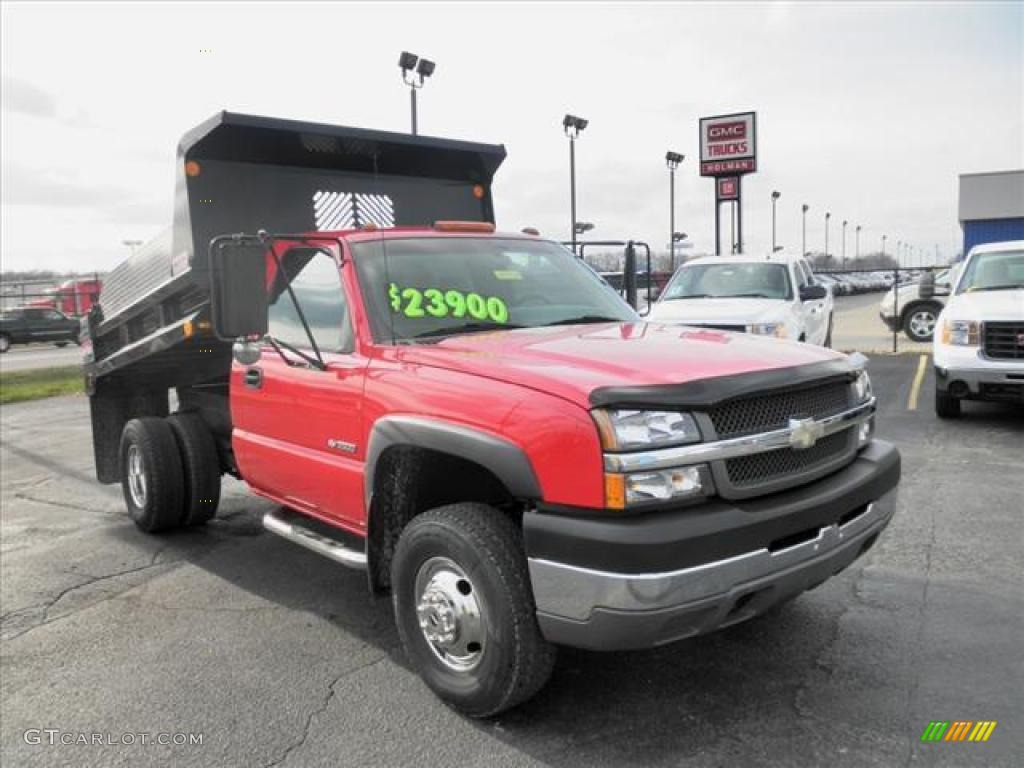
<point>464,226</point>
<point>615,491</point>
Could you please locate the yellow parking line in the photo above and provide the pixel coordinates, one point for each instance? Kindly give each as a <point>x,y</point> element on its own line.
<point>915,388</point>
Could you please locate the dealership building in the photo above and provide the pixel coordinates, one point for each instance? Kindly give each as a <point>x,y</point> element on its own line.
<point>991,207</point>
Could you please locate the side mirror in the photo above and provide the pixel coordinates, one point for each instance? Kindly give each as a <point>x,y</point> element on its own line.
<point>926,288</point>
<point>238,289</point>
<point>813,292</point>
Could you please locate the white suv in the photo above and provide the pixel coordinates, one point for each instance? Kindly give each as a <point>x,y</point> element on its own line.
<point>978,348</point>
<point>772,297</point>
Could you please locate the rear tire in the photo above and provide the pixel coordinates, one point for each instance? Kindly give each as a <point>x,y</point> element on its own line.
<point>5,343</point>
<point>946,406</point>
<point>200,465</point>
<point>151,475</point>
<point>455,563</point>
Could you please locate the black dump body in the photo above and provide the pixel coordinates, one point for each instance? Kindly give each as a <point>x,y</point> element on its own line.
<point>243,173</point>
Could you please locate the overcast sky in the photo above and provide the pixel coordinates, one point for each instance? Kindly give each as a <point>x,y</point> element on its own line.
<point>867,110</point>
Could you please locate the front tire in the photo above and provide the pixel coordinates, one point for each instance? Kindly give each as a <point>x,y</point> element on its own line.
<point>151,475</point>
<point>464,609</point>
<point>946,406</point>
<point>5,343</point>
<point>919,322</point>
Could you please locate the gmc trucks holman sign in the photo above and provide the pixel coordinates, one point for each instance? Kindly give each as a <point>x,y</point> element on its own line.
<point>728,144</point>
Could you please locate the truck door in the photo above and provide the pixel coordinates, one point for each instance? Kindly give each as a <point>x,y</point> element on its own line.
<point>298,429</point>
<point>812,311</point>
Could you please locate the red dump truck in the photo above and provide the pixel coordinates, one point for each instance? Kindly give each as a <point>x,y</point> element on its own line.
<point>473,418</point>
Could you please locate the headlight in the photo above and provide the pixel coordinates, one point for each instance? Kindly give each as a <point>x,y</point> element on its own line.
<point>768,329</point>
<point>628,430</point>
<point>637,488</point>
<point>960,333</point>
<point>862,387</point>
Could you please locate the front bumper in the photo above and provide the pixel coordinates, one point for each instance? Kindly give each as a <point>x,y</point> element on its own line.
<point>615,587</point>
<point>965,373</point>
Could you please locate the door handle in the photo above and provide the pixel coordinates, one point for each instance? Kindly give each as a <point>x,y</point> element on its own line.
<point>254,378</point>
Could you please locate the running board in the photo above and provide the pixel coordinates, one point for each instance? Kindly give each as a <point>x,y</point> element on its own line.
<point>314,541</point>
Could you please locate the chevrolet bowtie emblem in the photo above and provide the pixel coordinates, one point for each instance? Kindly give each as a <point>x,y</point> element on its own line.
<point>804,433</point>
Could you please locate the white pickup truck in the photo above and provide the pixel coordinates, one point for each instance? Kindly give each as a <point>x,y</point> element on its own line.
<point>770,297</point>
<point>978,348</point>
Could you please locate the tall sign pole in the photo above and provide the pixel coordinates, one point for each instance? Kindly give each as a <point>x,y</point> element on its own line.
<point>728,151</point>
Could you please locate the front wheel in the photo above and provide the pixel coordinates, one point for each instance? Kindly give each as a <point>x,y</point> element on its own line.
<point>464,609</point>
<point>5,343</point>
<point>919,323</point>
<point>946,406</point>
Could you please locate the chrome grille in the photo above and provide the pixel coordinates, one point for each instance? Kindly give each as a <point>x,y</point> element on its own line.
<point>759,468</point>
<point>1004,340</point>
<point>764,413</point>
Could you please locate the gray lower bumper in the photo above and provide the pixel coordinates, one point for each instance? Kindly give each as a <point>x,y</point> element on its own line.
<point>1000,376</point>
<point>614,611</point>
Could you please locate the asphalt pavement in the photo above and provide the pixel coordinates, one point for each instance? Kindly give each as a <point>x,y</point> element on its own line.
<point>278,657</point>
<point>32,356</point>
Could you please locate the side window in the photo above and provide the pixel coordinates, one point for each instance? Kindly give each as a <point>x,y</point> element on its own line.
<point>801,276</point>
<point>316,282</point>
<point>52,314</point>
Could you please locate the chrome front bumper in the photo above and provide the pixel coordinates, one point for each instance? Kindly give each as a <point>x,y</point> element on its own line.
<point>603,610</point>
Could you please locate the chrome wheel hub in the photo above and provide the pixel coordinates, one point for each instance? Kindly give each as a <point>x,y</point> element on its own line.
<point>450,614</point>
<point>136,477</point>
<point>922,323</point>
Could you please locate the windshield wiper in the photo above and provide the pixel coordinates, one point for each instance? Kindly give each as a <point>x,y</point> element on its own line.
<point>749,296</point>
<point>467,328</point>
<point>585,319</point>
<point>1006,287</point>
<point>277,344</point>
<point>689,296</point>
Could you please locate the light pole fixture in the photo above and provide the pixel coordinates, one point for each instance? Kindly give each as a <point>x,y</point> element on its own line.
<point>415,71</point>
<point>573,126</point>
<point>584,226</point>
<point>844,244</point>
<point>775,196</point>
<point>804,208</point>
<point>132,245</point>
<point>856,236</point>
<point>828,216</point>
<point>672,161</point>
<point>883,245</point>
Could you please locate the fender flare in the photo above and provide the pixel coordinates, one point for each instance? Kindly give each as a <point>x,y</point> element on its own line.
<point>507,461</point>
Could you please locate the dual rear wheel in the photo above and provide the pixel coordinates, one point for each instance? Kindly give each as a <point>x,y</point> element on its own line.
<point>170,472</point>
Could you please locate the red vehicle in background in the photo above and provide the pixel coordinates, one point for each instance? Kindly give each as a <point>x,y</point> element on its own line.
<point>474,419</point>
<point>72,297</point>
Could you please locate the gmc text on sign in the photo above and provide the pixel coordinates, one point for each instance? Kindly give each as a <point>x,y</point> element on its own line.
<point>728,144</point>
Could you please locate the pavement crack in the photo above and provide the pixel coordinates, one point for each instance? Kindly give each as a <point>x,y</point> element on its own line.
<point>62,504</point>
<point>319,710</point>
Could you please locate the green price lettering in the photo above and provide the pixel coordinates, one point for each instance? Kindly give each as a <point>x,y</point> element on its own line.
<point>433,302</point>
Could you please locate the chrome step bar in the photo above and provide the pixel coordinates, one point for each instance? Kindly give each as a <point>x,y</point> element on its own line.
<point>304,537</point>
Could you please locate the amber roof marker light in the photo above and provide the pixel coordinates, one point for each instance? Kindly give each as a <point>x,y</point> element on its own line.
<point>192,169</point>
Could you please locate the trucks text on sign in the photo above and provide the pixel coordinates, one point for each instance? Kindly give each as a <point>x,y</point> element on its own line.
<point>728,144</point>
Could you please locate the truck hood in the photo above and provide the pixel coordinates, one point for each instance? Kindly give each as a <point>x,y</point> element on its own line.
<point>986,305</point>
<point>719,311</point>
<point>573,361</point>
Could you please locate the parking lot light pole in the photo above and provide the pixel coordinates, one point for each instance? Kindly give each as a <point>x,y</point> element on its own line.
<point>856,237</point>
<point>803,243</point>
<point>775,196</point>
<point>883,245</point>
<point>843,251</point>
<point>672,160</point>
<point>828,216</point>
<point>572,126</point>
<point>414,72</point>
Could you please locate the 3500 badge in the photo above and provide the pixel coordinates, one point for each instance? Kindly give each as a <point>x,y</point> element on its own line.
<point>433,302</point>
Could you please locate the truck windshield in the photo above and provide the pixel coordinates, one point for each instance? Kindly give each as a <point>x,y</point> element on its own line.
<point>739,280</point>
<point>995,271</point>
<point>428,288</point>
